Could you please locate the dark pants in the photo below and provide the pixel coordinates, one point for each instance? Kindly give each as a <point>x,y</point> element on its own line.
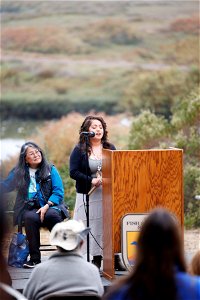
<point>32,227</point>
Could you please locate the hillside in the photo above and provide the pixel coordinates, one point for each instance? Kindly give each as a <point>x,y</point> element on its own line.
<point>49,48</point>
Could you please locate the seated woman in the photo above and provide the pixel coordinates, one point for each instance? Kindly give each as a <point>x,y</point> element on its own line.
<point>39,201</point>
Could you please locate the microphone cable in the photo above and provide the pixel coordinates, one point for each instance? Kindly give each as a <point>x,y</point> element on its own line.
<point>90,230</point>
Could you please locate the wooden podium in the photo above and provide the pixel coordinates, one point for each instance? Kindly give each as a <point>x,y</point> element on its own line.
<point>137,181</point>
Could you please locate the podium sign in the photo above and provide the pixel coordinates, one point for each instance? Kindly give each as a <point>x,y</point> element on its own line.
<point>131,226</point>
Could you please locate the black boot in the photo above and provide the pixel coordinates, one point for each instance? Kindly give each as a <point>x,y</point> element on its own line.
<point>119,266</point>
<point>97,261</point>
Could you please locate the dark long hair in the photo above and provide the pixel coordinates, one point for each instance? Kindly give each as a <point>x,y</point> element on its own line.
<point>4,274</point>
<point>85,127</point>
<point>159,254</point>
<point>20,169</point>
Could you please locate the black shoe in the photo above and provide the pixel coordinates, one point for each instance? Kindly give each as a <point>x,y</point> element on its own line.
<point>97,261</point>
<point>119,266</point>
<point>31,264</point>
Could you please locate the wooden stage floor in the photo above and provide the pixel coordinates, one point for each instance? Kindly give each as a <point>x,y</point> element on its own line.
<point>20,276</point>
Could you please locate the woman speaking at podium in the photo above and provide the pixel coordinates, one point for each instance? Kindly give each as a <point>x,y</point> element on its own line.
<point>85,169</point>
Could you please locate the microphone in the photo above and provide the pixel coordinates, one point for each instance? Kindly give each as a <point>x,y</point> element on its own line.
<point>88,133</point>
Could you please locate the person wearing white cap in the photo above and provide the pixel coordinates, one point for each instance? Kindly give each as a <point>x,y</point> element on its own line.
<point>66,270</point>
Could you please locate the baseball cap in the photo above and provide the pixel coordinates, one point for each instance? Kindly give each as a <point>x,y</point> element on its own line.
<point>68,234</point>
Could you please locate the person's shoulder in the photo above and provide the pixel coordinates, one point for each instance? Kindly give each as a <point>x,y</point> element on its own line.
<point>91,267</point>
<point>185,278</point>
<point>42,267</point>
<point>185,275</point>
<point>188,286</point>
<point>108,145</point>
<point>11,175</point>
<point>52,167</point>
<point>76,151</point>
<point>112,147</point>
<point>76,148</point>
<point>12,172</point>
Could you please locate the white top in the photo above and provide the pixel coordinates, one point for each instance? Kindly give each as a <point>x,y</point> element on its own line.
<point>32,187</point>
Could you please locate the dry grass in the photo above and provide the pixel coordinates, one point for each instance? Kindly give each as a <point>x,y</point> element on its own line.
<point>186,25</point>
<point>58,138</point>
<point>45,40</point>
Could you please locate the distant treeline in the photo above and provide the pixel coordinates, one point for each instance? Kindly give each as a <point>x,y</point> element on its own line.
<point>45,109</point>
<point>20,10</point>
<point>156,91</point>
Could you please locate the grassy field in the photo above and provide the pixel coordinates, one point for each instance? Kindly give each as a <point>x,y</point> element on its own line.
<point>85,55</point>
<point>65,59</point>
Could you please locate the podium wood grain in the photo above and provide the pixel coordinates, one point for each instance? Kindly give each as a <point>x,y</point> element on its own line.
<point>136,182</point>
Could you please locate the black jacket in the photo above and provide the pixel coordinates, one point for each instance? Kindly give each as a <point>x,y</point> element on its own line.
<point>80,171</point>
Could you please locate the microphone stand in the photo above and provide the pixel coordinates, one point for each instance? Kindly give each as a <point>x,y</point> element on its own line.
<point>87,135</point>
<point>87,198</point>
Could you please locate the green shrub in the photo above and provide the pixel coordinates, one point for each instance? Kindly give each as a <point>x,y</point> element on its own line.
<point>158,91</point>
<point>191,189</point>
<point>110,30</point>
<point>187,110</point>
<point>185,126</point>
<point>147,131</point>
<point>69,187</point>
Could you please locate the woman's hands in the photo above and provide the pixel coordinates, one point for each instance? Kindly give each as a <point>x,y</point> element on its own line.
<point>97,181</point>
<point>42,211</point>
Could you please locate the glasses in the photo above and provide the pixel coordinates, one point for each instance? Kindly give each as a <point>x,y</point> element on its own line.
<point>32,153</point>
